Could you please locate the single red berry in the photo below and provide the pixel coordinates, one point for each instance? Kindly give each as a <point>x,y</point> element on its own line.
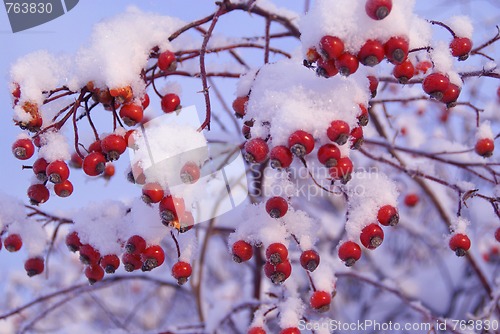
<point>278,273</point>
<point>13,242</point>
<point>450,95</point>
<point>301,143</point>
<point>423,66</point>
<point>109,170</point>
<point>281,157</point>
<point>276,206</point>
<point>396,49</point>
<point>373,81</point>
<point>242,251</point>
<point>245,131</point>
<point>312,55</point>
<point>256,330</point>
<point>331,47</point>
<point>122,94</point>
<point>290,330</point>
<point>167,61</point>
<point>404,71</point>
<point>94,164</point>
<point>171,208</point>
<point>378,9</point>
<point>342,171</point>
<point>326,68</point>
<point>363,116</point>
<point>186,222</point>
<point>73,241</point>
<point>371,53</point>
<point>131,262</point>
<point>110,263</point>
<point>34,266</point>
<point>16,93</point>
<point>309,260</point>
<point>57,171</point>
<point>38,194</point>
<point>131,113</point>
<point>170,103</point>
<point>64,189</point>
<point>145,101</point>
<point>371,236</point>
<point>113,146</point>
<point>411,200</point>
<point>320,301</point>
<point>276,253</point>
<point>94,273</point>
<point>328,155</point>
<point>435,84</point>
<point>152,257</point>
<point>239,106</point>
<point>190,172</point>
<point>135,244</point>
<point>39,167</point>
<point>461,47</point>
<point>460,244</point>
<point>181,271</point>
<point>357,138</point>
<point>89,255</point>
<point>347,64</point>
<point>152,192</point>
<point>388,215</point>
<point>485,147</point>
<point>497,234</point>
<point>338,132</point>
<point>349,252</point>
<point>95,147</point>
<point>256,150</point>
<point>23,149</point>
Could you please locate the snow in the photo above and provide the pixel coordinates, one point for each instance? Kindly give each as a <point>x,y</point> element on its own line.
<point>291,310</point>
<point>33,236</point>
<point>461,25</point>
<point>55,146</point>
<point>460,225</point>
<point>441,57</point>
<point>11,210</point>
<point>484,131</point>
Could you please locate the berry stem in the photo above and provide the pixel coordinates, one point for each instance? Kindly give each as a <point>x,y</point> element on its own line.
<point>444,26</point>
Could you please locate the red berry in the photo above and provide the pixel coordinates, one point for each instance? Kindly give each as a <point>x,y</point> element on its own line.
<point>349,252</point>
<point>38,194</point>
<point>122,94</point>
<point>281,157</point>
<point>371,236</point>
<point>256,330</point>
<point>276,206</point>
<point>190,173</point>
<point>186,222</point>
<point>131,262</point>
<point>342,171</point>
<point>256,150</point>
<point>13,242</point>
<point>347,64</point>
<point>309,260</point>
<point>95,147</point>
<point>73,241</point>
<point>239,106</point>
<point>388,215</point>
<point>278,273</point>
<point>378,9</point>
<point>94,273</point>
<point>135,244</point>
<point>64,189</point>
<point>301,143</point>
<point>242,251</point>
<point>113,146</point>
<point>411,200</point>
<point>326,68</point>
<point>460,244</point>
<point>460,47</point>
<point>110,263</point>
<point>181,271</point>
<point>57,171</point>
<point>484,147</point>
<point>497,234</point>
<point>170,103</point>
<point>152,257</point>
<point>338,132</point>
<point>171,208</point>
<point>34,266</point>
<point>404,71</point>
<point>23,149</point>
<point>290,330</point>
<point>331,47</point>
<point>357,138</point>
<point>167,61</point>
<point>312,55</point>
<point>276,253</point>
<point>371,53</point>
<point>131,113</point>
<point>39,167</point>
<point>109,170</point>
<point>152,192</point>
<point>320,301</point>
<point>435,84</point>
<point>16,93</point>
<point>145,101</point>
<point>94,164</point>
<point>89,255</point>
<point>328,155</point>
<point>245,131</point>
<point>423,66</point>
<point>363,116</point>
<point>373,85</point>
<point>396,49</point>
<point>450,95</point>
